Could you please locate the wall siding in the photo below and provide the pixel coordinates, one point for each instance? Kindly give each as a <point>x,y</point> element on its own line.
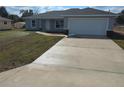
<point>41,24</point>
<point>53,26</point>
<point>29,24</point>
<point>5,26</point>
<point>112,21</point>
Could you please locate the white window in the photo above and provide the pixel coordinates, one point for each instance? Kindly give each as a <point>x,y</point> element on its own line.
<point>33,23</point>
<point>59,23</point>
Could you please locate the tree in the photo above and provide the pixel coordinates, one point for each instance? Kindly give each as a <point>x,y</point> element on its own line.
<point>36,11</point>
<point>122,12</point>
<point>3,12</point>
<point>120,18</point>
<point>14,17</point>
<point>26,13</point>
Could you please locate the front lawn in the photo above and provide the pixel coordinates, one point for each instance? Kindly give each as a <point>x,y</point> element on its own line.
<point>18,48</point>
<point>120,43</point>
<point>118,38</point>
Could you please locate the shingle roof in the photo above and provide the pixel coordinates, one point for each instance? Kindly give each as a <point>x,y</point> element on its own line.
<point>5,19</point>
<point>74,11</point>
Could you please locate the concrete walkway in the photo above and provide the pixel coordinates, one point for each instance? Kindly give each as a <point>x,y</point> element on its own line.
<point>50,34</point>
<point>72,62</point>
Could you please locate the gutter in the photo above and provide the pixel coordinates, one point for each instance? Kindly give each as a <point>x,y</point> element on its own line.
<point>114,15</point>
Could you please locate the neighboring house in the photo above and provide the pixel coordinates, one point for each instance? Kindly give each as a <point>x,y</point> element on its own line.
<point>86,21</point>
<point>19,25</point>
<point>5,23</point>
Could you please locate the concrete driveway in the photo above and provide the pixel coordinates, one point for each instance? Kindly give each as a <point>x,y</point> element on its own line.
<point>72,62</point>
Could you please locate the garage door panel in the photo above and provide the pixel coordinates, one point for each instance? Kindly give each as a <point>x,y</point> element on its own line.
<point>87,26</point>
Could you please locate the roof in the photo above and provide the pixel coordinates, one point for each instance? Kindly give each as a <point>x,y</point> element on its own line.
<point>5,19</point>
<point>73,11</point>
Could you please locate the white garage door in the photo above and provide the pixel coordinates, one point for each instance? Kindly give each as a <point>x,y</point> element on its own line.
<point>87,26</point>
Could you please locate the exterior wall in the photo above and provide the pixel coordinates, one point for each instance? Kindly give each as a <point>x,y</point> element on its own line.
<point>41,24</point>
<point>65,23</point>
<point>29,24</point>
<point>53,26</point>
<point>5,26</point>
<point>111,24</point>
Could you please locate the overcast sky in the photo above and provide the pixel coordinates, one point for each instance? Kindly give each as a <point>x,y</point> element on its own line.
<point>41,9</point>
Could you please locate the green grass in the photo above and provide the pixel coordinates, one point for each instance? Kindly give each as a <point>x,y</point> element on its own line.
<point>18,48</point>
<point>118,38</point>
<point>120,43</point>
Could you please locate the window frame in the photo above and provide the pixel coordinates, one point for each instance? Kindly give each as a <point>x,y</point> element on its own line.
<point>33,23</point>
<point>60,24</point>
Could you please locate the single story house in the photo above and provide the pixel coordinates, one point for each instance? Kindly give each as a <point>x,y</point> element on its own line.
<point>5,23</point>
<point>87,21</point>
<point>19,25</point>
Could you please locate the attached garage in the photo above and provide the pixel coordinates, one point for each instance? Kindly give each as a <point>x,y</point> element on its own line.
<point>87,26</point>
<point>87,21</point>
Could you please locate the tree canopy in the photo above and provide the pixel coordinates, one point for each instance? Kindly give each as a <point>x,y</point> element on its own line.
<point>14,17</point>
<point>3,12</point>
<point>26,13</point>
<point>120,18</point>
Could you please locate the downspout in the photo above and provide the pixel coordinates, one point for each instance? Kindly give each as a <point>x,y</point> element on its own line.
<point>107,25</point>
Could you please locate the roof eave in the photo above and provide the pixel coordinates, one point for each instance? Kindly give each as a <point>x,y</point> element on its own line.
<point>43,17</point>
<point>113,15</point>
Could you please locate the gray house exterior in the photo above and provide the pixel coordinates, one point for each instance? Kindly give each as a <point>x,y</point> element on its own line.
<point>5,23</point>
<point>86,21</point>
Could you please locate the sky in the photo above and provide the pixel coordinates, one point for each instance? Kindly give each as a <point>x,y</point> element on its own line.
<point>42,9</point>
